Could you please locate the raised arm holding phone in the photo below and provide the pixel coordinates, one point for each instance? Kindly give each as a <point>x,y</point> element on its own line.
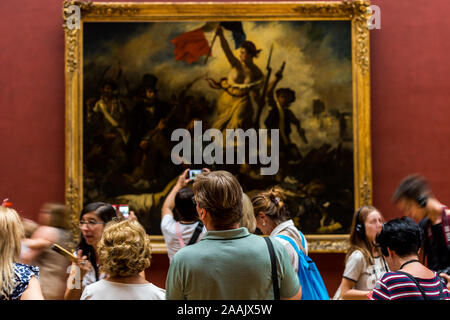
<point>179,218</point>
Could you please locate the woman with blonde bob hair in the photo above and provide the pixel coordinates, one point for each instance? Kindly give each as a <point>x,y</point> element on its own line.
<point>17,281</point>
<point>124,251</point>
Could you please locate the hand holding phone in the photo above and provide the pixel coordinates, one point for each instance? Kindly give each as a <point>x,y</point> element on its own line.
<point>122,210</point>
<point>83,263</point>
<point>125,210</point>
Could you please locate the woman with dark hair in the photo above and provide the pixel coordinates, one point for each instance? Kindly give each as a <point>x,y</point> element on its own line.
<point>415,198</point>
<point>400,241</point>
<point>85,271</point>
<point>180,223</point>
<point>364,264</point>
<point>244,80</point>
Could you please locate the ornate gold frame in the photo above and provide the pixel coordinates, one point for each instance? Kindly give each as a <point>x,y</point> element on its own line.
<point>354,11</point>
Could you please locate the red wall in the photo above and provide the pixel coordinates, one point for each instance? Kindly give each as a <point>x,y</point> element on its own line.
<point>410,112</point>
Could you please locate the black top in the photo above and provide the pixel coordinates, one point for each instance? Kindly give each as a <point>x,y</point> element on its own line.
<point>435,248</point>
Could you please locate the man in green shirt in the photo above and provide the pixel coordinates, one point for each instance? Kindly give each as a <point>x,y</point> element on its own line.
<point>229,263</point>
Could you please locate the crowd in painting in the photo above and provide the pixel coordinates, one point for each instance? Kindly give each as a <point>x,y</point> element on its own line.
<point>224,245</point>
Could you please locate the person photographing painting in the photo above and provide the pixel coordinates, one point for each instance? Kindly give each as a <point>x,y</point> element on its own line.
<point>229,263</point>
<point>180,223</point>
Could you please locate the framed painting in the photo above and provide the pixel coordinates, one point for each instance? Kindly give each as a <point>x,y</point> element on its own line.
<point>291,79</point>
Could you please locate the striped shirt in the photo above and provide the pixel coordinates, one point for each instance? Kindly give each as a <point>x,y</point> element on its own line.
<point>396,286</point>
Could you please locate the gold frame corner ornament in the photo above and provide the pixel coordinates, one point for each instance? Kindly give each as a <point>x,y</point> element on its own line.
<point>356,11</point>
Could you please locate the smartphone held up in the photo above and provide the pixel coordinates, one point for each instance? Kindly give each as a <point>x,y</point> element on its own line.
<point>122,210</point>
<point>193,173</point>
<point>64,252</point>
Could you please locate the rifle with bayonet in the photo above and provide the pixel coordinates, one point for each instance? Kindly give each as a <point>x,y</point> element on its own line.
<point>262,97</point>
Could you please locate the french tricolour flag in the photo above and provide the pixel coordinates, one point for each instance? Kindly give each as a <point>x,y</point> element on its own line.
<point>191,45</point>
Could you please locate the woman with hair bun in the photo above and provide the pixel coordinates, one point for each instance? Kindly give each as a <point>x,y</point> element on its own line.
<point>124,252</point>
<point>272,219</point>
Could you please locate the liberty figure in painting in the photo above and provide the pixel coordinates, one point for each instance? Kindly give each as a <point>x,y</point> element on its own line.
<point>234,106</point>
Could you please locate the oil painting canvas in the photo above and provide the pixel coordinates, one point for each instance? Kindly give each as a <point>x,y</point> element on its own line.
<point>142,81</point>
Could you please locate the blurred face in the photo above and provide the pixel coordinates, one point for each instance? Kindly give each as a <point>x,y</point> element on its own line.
<point>44,217</point>
<point>283,99</point>
<point>373,225</point>
<point>91,227</point>
<point>107,90</point>
<point>411,209</point>
<point>243,55</point>
<point>150,94</point>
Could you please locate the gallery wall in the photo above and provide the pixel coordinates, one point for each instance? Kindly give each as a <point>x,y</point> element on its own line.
<point>410,114</point>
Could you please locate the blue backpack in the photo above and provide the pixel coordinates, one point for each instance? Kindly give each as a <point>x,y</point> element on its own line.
<point>312,284</point>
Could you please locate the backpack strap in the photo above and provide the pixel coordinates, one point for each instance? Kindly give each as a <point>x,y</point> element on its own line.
<point>276,288</point>
<point>302,236</point>
<point>194,237</point>
<point>180,238</point>
<point>196,234</point>
<point>291,241</point>
<point>417,283</point>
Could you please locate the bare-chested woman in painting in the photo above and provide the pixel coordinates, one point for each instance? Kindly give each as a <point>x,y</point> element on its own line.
<point>244,81</point>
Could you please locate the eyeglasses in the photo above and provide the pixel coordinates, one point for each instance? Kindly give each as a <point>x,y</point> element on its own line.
<point>89,224</point>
